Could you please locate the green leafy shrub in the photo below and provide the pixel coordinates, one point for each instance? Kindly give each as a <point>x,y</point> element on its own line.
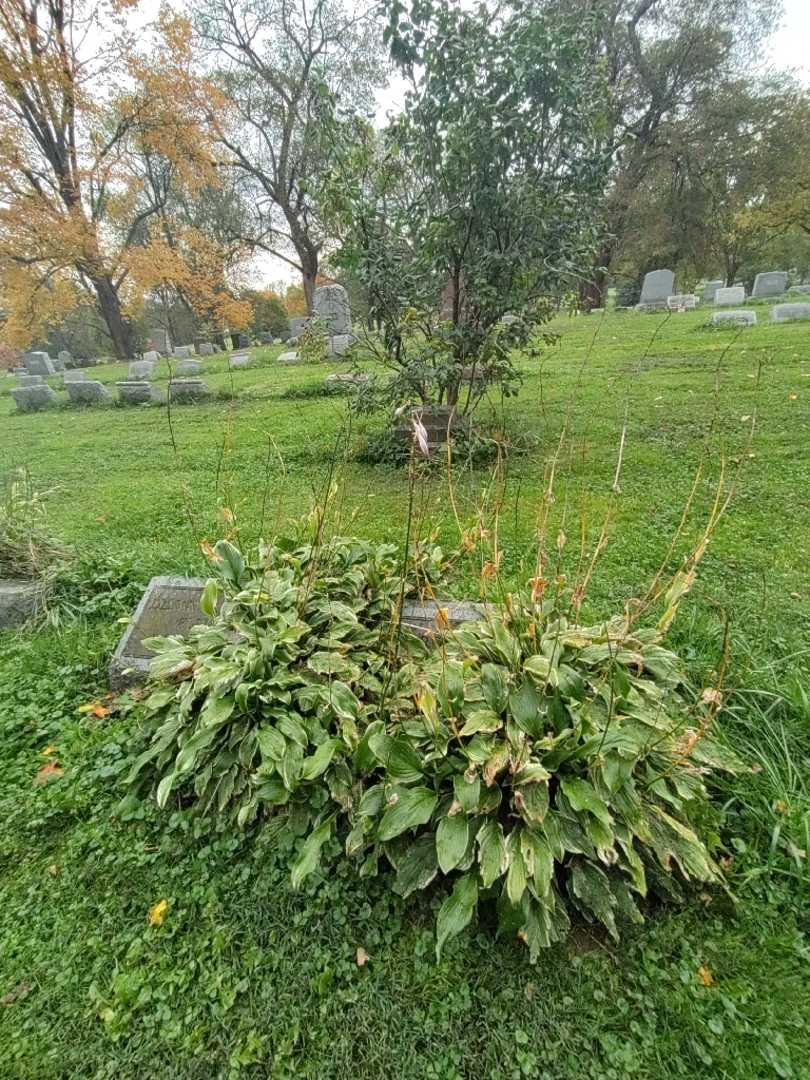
<point>551,767</point>
<point>268,707</point>
<point>312,346</point>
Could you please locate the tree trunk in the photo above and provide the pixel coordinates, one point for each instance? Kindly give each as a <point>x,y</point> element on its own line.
<point>110,307</point>
<point>309,274</point>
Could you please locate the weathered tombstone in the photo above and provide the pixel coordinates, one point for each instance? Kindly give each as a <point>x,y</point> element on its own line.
<point>170,607</point>
<point>139,392</point>
<point>739,318</point>
<point>151,356</point>
<point>297,324</point>
<point>658,286</point>
<point>30,380</point>
<point>159,340</point>
<point>19,601</point>
<point>710,289</point>
<point>73,376</point>
<point>188,391</point>
<point>682,302</point>
<point>735,294</point>
<point>289,358</point>
<point>66,358</point>
<point>239,360</point>
<point>34,398</point>
<point>339,344</point>
<point>772,283</point>
<point>799,290</point>
<point>88,392</point>
<point>58,364</point>
<point>38,363</point>
<point>181,352</point>
<point>782,313</point>
<point>331,307</point>
<point>141,370</point>
<point>188,367</point>
<point>205,348</point>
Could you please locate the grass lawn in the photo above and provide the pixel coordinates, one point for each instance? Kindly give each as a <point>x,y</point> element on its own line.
<point>246,977</point>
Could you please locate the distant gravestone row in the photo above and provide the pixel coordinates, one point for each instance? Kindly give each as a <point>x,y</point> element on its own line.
<point>658,293</point>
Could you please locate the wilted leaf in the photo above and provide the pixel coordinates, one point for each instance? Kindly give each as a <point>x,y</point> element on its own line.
<point>158,912</point>
<point>361,956</point>
<point>705,976</point>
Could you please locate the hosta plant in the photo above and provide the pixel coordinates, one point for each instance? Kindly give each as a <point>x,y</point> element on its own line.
<point>551,767</point>
<point>267,707</point>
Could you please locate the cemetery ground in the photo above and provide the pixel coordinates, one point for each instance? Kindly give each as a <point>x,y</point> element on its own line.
<point>239,975</point>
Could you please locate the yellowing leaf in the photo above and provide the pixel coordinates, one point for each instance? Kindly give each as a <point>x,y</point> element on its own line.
<point>49,751</point>
<point>157,913</point>
<point>362,956</point>
<point>48,772</point>
<point>705,976</point>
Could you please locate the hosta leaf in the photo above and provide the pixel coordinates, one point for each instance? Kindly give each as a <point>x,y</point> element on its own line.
<point>208,600</point>
<point>494,687</point>
<point>531,802</point>
<point>310,854</point>
<point>583,796</point>
<point>271,743</point>
<point>164,790</point>
<point>591,887</point>
<point>542,861</point>
<point>492,859</point>
<point>372,801</point>
<point>505,645</point>
<point>450,691</point>
<point>481,720</point>
<point>479,749</point>
<point>516,873</point>
<point>525,708</point>
<point>403,764</point>
<point>456,912</point>
<point>230,563</point>
<point>452,837</point>
<point>364,759</point>
<point>289,726</point>
<point>418,867</point>
<point>217,710</point>
<point>495,764</point>
<point>343,701</point>
<point>290,765</point>
<point>467,792</point>
<point>273,791</point>
<point>317,764</point>
<point>330,663</point>
<point>413,806</point>
<point>539,667</point>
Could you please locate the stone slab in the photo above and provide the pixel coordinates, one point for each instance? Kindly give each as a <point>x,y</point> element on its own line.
<point>740,318</point>
<point>171,606</point>
<point>65,357</point>
<point>289,358</point>
<point>74,375</point>
<point>799,290</point>
<point>239,360</point>
<point>188,367</point>
<point>682,302</point>
<point>339,344</point>
<point>710,289</point>
<point>30,380</point>
<point>34,398</point>
<point>782,313</point>
<point>205,348</point>
<point>658,285</point>
<point>139,392</point>
<point>20,600</point>
<point>88,392</point>
<point>38,363</point>
<point>182,352</point>
<point>141,369</point>
<point>734,294</point>
<point>772,283</point>
<point>188,391</point>
<point>151,356</point>
<point>331,307</point>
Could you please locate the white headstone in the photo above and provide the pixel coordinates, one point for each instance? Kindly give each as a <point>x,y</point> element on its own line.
<point>772,283</point>
<point>710,289</point>
<point>682,302</point>
<point>38,363</point>
<point>141,369</point>
<point>658,286</point>
<point>739,318</point>
<point>790,312</point>
<point>151,356</point>
<point>735,294</point>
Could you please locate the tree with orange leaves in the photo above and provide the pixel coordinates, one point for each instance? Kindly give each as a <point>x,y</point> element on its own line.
<point>77,216</point>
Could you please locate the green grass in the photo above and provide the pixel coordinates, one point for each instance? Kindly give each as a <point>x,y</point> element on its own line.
<point>245,977</point>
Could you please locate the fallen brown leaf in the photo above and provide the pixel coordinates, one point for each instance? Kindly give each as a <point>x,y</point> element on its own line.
<point>48,772</point>
<point>362,956</point>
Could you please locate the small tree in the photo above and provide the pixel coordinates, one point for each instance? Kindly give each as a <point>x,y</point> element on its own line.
<point>474,206</point>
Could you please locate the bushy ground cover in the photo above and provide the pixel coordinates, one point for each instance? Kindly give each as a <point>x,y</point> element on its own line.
<point>238,974</point>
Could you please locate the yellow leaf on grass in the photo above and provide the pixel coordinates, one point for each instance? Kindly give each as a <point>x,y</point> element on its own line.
<point>705,976</point>
<point>49,751</point>
<point>362,956</point>
<point>157,913</point>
